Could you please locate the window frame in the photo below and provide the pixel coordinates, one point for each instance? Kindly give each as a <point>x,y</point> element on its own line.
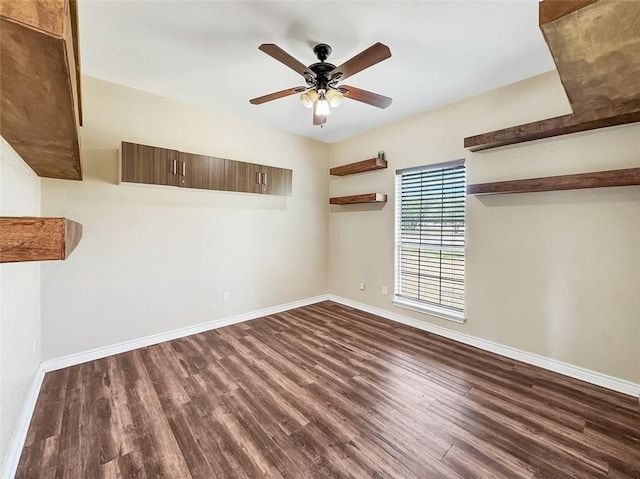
<point>415,304</point>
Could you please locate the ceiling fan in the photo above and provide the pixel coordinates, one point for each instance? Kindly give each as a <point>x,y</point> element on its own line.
<point>322,91</point>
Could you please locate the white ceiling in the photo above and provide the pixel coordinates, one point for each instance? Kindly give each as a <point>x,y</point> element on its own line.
<point>206,53</point>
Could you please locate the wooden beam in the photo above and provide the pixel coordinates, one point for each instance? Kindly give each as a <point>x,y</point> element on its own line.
<point>39,97</point>
<point>359,167</point>
<point>37,239</point>
<point>601,179</point>
<point>550,10</point>
<point>595,48</point>
<point>355,199</point>
<point>557,126</point>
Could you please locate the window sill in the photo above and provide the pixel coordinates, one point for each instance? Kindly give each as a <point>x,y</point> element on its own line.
<point>431,310</point>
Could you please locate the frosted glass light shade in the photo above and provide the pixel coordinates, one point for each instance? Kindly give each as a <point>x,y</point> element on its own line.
<point>334,97</point>
<point>308,97</point>
<point>322,108</point>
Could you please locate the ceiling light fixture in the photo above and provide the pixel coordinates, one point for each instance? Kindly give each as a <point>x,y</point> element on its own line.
<point>322,91</point>
<point>322,108</point>
<point>308,98</point>
<point>325,98</point>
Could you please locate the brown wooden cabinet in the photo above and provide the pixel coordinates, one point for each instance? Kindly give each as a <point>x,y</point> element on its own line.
<point>161,166</point>
<point>276,181</point>
<point>202,172</point>
<point>149,164</point>
<point>243,177</point>
<point>254,178</point>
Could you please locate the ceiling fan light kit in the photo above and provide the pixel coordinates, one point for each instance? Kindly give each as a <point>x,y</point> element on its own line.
<point>322,91</point>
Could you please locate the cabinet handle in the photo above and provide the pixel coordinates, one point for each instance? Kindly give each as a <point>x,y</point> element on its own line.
<point>184,168</point>
<point>174,168</point>
<point>264,179</point>
<point>258,175</point>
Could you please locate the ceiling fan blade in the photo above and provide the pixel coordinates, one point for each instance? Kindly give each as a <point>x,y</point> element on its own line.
<point>318,119</point>
<point>369,57</point>
<point>279,54</point>
<point>365,96</point>
<point>276,95</point>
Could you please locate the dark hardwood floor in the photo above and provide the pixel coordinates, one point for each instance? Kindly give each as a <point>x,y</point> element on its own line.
<point>325,391</point>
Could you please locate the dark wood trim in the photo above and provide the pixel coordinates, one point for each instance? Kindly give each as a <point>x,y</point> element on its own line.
<point>601,179</point>
<point>355,199</point>
<point>550,10</point>
<point>37,239</point>
<point>370,164</point>
<point>557,126</point>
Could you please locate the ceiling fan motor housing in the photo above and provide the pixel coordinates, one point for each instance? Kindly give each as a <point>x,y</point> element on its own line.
<point>322,69</point>
<point>322,51</point>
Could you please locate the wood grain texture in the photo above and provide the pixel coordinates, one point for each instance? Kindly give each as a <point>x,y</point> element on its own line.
<point>47,16</point>
<point>39,98</point>
<point>37,239</point>
<point>370,164</point>
<point>550,10</point>
<point>325,391</point>
<point>202,172</point>
<point>277,181</point>
<point>356,199</point>
<point>149,164</point>
<point>242,177</point>
<point>556,126</point>
<point>600,179</point>
<point>596,51</point>
<point>365,96</point>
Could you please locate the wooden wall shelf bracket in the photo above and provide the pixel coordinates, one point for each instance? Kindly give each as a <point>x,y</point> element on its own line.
<point>601,179</point>
<point>356,199</point>
<point>37,239</point>
<point>359,167</point>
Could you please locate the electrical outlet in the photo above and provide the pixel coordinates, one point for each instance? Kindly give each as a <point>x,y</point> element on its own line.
<point>361,285</point>
<point>226,296</point>
<point>385,291</point>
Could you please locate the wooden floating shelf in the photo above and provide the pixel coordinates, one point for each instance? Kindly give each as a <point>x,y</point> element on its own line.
<point>627,177</point>
<point>37,239</point>
<point>359,167</point>
<point>40,109</point>
<point>588,40</point>
<point>537,130</point>
<point>356,199</point>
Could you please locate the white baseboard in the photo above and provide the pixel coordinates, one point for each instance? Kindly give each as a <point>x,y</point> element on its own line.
<point>576,372</point>
<point>103,352</point>
<point>20,434</point>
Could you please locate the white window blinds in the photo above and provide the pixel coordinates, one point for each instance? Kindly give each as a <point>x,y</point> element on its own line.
<point>430,231</point>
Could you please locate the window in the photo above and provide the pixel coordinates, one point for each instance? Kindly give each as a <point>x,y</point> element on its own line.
<point>430,224</point>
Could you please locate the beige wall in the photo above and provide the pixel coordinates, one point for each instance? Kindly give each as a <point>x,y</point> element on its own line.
<point>19,299</point>
<point>154,259</point>
<point>556,274</point>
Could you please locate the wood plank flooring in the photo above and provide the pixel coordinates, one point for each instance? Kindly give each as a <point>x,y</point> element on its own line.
<point>325,391</point>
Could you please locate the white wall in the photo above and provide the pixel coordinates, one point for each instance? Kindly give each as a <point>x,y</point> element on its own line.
<point>154,259</point>
<point>19,299</point>
<point>555,274</point>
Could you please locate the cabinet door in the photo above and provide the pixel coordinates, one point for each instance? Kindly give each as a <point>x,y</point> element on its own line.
<point>243,177</point>
<point>276,181</point>
<point>199,171</point>
<point>148,164</point>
